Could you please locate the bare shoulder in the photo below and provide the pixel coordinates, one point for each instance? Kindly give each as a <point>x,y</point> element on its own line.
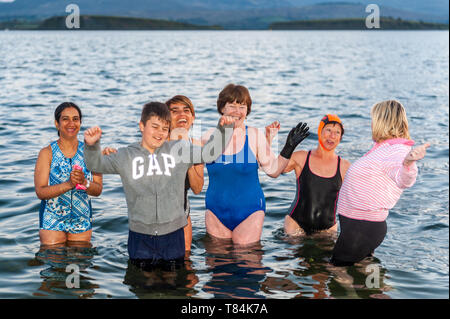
<point>344,166</point>
<point>345,163</point>
<point>300,157</point>
<point>196,142</point>
<point>43,161</point>
<point>296,162</point>
<point>257,141</point>
<point>255,133</point>
<point>253,130</point>
<point>45,153</point>
<point>207,135</point>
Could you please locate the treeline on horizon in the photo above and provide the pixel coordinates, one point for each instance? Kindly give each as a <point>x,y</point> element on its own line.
<point>93,22</point>
<point>386,23</point>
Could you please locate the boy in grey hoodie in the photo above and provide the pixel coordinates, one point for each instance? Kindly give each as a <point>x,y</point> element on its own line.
<point>153,173</point>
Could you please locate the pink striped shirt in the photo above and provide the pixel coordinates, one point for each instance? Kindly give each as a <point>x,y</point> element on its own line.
<point>373,184</point>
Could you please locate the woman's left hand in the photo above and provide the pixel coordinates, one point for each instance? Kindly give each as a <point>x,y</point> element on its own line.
<point>272,130</point>
<point>77,176</point>
<point>416,154</point>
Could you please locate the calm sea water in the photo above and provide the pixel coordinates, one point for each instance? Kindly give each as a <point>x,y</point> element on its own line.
<point>292,76</point>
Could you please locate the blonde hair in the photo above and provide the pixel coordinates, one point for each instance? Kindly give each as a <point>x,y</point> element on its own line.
<point>389,121</point>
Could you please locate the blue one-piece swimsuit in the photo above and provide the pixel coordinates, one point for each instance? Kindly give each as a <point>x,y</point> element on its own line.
<point>234,191</point>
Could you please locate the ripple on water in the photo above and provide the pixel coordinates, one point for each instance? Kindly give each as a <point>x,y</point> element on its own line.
<point>111,75</point>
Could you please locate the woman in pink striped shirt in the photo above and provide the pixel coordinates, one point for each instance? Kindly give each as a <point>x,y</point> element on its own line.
<point>373,184</point>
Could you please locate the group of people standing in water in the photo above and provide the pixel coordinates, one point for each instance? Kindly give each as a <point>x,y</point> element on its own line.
<point>156,179</point>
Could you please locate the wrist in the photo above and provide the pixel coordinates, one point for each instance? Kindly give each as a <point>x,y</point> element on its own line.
<point>408,164</point>
<point>287,151</point>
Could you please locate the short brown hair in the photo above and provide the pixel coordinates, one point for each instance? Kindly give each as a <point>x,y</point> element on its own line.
<point>181,99</point>
<point>232,93</point>
<point>157,109</point>
<point>389,121</point>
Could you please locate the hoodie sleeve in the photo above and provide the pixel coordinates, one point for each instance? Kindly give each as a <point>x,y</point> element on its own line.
<point>96,162</point>
<point>186,152</point>
<point>214,147</point>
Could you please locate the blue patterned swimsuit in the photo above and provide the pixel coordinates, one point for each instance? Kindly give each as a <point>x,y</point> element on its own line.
<point>70,212</point>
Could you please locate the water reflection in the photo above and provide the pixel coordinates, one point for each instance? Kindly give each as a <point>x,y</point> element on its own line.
<point>67,272</point>
<point>162,282</point>
<point>417,265</point>
<point>312,275</point>
<point>236,271</point>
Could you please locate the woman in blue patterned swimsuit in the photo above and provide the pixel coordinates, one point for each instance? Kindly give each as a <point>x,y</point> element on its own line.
<point>66,212</point>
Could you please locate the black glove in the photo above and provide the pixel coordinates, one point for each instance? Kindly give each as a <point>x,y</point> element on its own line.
<point>295,137</point>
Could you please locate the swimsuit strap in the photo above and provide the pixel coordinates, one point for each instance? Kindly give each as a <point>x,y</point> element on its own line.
<point>338,171</point>
<point>306,165</point>
<point>244,149</point>
<point>246,145</point>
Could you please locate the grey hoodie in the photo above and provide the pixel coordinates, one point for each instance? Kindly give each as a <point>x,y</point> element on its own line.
<point>154,183</point>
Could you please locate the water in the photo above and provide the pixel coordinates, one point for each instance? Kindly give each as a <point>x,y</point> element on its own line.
<point>292,76</point>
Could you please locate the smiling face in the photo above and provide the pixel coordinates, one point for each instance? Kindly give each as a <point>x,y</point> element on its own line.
<point>69,123</point>
<point>236,110</point>
<point>154,133</point>
<point>182,116</point>
<point>331,136</point>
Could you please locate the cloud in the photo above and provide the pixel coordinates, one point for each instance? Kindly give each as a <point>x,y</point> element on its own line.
<point>7,0</point>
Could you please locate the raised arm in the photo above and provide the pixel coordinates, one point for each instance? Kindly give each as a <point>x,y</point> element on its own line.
<point>41,177</point>
<point>95,161</point>
<point>404,170</point>
<point>274,166</point>
<point>296,162</point>
<point>216,143</point>
<point>271,131</point>
<point>196,174</point>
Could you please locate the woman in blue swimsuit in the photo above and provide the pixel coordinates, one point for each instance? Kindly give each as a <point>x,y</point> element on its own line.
<point>63,183</point>
<point>235,203</point>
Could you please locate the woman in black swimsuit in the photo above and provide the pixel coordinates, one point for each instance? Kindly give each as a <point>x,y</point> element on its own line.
<point>319,174</point>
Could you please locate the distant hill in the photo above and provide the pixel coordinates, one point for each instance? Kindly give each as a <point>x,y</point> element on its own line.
<point>262,18</point>
<point>356,24</point>
<point>125,23</point>
<point>426,7</point>
<point>88,22</point>
<point>231,14</point>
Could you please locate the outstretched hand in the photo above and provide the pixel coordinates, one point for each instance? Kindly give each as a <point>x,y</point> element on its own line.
<point>92,135</point>
<point>272,130</point>
<point>226,120</point>
<point>109,150</point>
<point>416,154</point>
<point>298,134</point>
<point>295,137</point>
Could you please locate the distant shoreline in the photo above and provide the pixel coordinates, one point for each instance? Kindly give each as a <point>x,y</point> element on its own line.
<point>106,23</point>
<point>94,22</point>
<point>385,23</point>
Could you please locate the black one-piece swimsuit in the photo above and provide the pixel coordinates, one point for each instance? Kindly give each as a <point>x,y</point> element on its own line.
<point>314,206</point>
